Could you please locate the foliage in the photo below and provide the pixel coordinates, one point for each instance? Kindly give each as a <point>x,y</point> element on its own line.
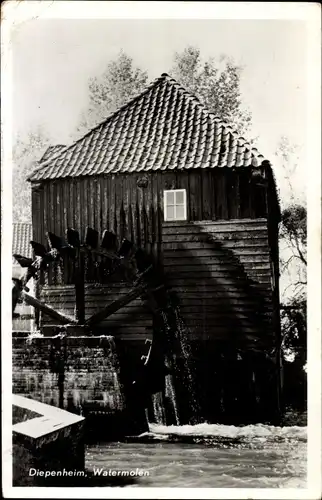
<point>293,312</point>
<point>215,83</point>
<point>120,82</point>
<point>294,330</point>
<point>293,236</point>
<point>293,230</point>
<point>293,256</point>
<point>26,152</point>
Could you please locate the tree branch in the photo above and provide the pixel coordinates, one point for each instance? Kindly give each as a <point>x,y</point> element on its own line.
<point>298,283</point>
<point>297,245</point>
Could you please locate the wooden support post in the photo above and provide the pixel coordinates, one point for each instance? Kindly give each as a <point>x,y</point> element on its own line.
<point>79,288</point>
<point>32,301</point>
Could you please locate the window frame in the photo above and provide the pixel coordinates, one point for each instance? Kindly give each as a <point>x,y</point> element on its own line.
<point>184,205</point>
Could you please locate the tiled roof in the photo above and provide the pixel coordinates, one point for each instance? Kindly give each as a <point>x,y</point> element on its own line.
<point>51,151</point>
<point>165,127</point>
<point>21,236</point>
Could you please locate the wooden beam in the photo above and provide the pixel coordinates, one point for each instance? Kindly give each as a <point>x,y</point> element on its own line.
<point>23,261</point>
<point>41,306</point>
<point>79,288</point>
<point>116,305</point>
<point>20,285</point>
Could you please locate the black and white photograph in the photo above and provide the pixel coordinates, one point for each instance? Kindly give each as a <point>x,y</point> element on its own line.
<point>161,230</point>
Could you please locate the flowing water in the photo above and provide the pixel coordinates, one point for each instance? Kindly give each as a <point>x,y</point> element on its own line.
<point>200,455</point>
<point>171,395</point>
<point>182,377</point>
<point>164,408</point>
<point>206,455</point>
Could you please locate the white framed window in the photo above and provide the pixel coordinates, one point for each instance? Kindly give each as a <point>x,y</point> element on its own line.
<point>175,204</point>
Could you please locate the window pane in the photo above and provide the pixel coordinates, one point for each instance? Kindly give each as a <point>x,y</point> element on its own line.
<point>179,198</point>
<point>170,213</point>
<point>180,212</point>
<point>170,198</point>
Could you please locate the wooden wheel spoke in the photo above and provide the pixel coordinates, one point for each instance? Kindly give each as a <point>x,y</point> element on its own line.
<point>91,239</point>
<point>23,261</point>
<point>38,248</point>
<point>32,301</point>
<point>73,237</point>
<point>109,241</point>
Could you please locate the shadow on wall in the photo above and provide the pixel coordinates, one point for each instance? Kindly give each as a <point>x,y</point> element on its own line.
<point>226,316</point>
<point>218,298</point>
<point>228,319</point>
<point>221,313</point>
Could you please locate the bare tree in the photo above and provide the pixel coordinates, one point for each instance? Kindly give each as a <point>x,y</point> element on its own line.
<point>293,234</point>
<point>293,310</point>
<point>293,260</point>
<point>119,82</point>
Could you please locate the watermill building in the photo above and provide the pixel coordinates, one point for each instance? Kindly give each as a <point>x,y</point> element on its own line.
<point>167,175</point>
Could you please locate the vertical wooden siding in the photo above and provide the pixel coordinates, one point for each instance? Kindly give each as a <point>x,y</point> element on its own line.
<point>115,202</point>
<point>221,263</point>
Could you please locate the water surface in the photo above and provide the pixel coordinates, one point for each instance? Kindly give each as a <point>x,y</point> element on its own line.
<point>213,456</point>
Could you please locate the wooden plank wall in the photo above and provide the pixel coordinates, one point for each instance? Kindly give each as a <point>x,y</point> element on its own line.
<point>221,274</point>
<point>117,203</point>
<point>133,322</point>
<point>230,274</point>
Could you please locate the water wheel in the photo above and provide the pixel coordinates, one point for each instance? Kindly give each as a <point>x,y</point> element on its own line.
<point>131,264</point>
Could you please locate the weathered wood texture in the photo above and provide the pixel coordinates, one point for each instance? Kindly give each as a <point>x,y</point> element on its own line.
<point>117,203</point>
<point>132,322</point>
<point>221,273</point>
<point>49,311</point>
<point>224,265</point>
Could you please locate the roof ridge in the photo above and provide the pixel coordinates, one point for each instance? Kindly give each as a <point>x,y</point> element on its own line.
<point>212,115</point>
<point>155,82</point>
<point>185,99</point>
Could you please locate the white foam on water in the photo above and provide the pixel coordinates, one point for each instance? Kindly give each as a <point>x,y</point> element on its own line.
<point>230,431</point>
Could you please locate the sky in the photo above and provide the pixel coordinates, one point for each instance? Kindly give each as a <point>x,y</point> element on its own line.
<point>53,60</point>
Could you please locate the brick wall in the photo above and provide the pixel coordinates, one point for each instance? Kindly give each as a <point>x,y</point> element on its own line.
<point>74,373</point>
